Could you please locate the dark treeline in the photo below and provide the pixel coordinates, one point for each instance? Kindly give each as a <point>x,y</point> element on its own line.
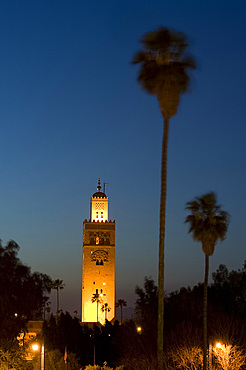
<point>23,298</point>
<point>122,344</point>
<point>184,312</point>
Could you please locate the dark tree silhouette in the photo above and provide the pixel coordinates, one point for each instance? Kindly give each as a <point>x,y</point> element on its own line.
<point>208,224</point>
<point>146,311</point>
<point>67,332</point>
<point>164,73</point>
<point>229,290</point>
<point>21,293</point>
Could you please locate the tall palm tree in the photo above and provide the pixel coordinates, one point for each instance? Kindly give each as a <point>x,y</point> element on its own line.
<point>57,285</point>
<point>164,73</point>
<point>121,303</point>
<point>208,224</point>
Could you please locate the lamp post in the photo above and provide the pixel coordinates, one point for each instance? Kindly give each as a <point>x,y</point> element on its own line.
<point>35,348</point>
<point>210,353</point>
<point>94,348</point>
<point>42,357</point>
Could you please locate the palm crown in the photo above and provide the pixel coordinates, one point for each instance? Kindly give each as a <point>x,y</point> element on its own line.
<point>164,67</point>
<point>208,222</point>
<point>121,303</point>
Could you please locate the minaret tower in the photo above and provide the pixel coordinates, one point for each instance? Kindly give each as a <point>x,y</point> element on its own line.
<point>98,272</point>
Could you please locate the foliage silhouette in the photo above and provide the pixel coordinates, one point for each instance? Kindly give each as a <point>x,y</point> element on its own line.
<point>21,293</point>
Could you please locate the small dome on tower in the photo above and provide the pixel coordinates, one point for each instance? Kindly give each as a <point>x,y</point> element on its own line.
<point>99,193</point>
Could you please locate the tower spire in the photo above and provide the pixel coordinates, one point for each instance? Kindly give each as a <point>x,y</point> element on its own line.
<point>99,185</point>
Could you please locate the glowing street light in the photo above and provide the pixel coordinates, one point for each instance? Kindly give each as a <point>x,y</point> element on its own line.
<point>35,347</point>
<point>139,329</point>
<point>219,345</point>
<point>222,354</point>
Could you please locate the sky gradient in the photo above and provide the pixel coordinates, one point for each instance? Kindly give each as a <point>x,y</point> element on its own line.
<point>72,111</point>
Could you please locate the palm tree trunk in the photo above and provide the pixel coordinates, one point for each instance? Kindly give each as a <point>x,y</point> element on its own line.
<point>97,309</point>
<point>205,312</point>
<point>160,365</point>
<point>121,308</point>
<point>57,302</point>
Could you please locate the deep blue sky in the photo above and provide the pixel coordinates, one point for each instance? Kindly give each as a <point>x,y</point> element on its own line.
<point>72,111</point>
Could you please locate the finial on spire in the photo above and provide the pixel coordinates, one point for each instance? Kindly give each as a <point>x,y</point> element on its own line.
<point>99,185</point>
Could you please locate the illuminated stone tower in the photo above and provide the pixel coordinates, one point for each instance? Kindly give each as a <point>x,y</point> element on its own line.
<point>98,273</point>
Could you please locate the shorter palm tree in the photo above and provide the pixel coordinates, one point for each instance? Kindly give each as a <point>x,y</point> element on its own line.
<point>96,298</point>
<point>57,285</point>
<point>105,308</point>
<point>208,224</point>
<point>121,303</point>
<point>46,304</point>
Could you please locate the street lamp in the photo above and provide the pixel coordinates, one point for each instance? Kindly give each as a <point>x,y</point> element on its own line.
<point>139,329</point>
<point>221,353</point>
<point>211,349</point>
<point>35,348</point>
<point>42,357</point>
<point>219,345</point>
